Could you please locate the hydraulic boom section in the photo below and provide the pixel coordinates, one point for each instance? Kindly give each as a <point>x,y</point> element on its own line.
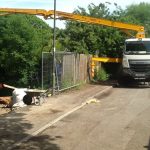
<point>86,19</point>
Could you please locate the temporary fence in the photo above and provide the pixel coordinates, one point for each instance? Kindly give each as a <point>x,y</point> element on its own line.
<point>71,70</point>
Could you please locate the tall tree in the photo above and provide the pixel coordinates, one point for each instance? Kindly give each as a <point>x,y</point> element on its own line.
<point>86,38</point>
<point>141,12</point>
<point>22,39</point>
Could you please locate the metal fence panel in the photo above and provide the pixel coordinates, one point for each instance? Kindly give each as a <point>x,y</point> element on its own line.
<point>46,70</point>
<point>71,69</point>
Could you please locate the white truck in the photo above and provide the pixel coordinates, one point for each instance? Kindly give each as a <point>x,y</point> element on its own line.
<point>136,60</point>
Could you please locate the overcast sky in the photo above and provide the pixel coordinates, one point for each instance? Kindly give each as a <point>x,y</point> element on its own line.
<point>62,5</point>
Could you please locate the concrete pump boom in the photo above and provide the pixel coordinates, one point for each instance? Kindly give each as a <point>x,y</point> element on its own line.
<point>86,19</point>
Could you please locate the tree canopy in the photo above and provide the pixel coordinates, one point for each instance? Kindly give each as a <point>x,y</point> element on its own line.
<point>86,38</point>
<point>23,37</point>
<point>141,13</point>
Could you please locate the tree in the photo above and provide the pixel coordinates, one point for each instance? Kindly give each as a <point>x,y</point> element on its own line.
<point>87,38</point>
<point>23,37</point>
<point>141,12</point>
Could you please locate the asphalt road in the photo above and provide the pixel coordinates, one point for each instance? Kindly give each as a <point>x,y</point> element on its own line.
<point>120,121</point>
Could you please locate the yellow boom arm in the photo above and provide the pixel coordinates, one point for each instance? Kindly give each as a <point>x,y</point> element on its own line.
<point>80,18</point>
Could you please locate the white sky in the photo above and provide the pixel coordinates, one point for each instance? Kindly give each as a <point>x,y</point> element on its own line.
<point>62,5</point>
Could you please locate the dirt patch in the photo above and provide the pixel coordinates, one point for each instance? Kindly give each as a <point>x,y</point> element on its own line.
<point>4,110</point>
<point>104,94</point>
<point>55,111</point>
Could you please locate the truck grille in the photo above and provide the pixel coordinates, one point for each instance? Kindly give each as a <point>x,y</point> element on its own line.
<point>142,66</point>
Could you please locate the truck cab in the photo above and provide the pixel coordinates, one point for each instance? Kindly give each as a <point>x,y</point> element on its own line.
<point>136,59</point>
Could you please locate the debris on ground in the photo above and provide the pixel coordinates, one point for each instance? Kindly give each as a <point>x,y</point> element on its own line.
<point>6,86</point>
<point>22,97</point>
<point>6,101</point>
<point>93,100</point>
<point>17,97</point>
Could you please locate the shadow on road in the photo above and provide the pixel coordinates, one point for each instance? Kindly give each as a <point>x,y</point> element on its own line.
<point>13,128</point>
<point>104,83</point>
<point>148,146</point>
<point>132,85</point>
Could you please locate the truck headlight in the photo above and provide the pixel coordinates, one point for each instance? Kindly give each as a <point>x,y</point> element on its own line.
<point>125,63</point>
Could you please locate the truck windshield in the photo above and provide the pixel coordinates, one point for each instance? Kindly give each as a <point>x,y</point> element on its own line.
<point>137,46</point>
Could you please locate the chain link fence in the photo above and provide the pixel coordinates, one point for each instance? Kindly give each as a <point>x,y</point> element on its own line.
<point>71,70</point>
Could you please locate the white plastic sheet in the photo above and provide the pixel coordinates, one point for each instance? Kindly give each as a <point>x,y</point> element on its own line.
<point>17,96</point>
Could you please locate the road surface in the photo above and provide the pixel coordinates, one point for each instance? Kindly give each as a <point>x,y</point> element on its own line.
<point>120,121</point>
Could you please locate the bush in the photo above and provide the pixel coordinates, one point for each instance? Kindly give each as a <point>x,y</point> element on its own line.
<point>101,75</point>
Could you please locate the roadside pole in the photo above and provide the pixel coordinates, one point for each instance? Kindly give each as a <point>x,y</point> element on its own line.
<point>54,48</point>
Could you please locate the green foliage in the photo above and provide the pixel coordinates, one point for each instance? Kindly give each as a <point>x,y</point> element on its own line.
<point>101,75</point>
<point>66,83</point>
<point>22,40</point>
<point>87,38</point>
<point>107,41</point>
<point>141,12</point>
